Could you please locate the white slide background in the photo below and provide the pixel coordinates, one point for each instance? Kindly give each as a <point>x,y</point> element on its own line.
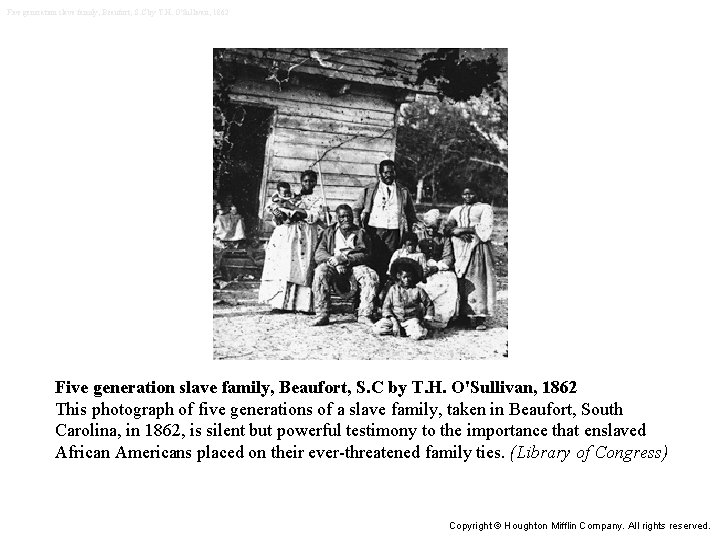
<point>106,152</point>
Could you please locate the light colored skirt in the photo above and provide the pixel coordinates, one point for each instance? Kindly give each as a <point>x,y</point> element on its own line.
<point>288,269</point>
<point>477,289</point>
<point>286,296</point>
<point>442,288</point>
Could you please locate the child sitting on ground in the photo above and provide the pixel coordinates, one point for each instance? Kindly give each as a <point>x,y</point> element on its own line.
<point>406,305</point>
<point>408,249</point>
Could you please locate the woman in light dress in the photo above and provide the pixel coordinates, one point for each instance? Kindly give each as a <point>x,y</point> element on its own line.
<point>470,227</point>
<point>441,283</point>
<point>289,254</point>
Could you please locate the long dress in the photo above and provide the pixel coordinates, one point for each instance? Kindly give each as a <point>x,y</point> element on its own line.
<point>474,261</point>
<point>290,261</point>
<point>441,286</point>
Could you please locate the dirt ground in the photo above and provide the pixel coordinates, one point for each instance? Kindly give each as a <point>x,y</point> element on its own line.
<point>256,333</point>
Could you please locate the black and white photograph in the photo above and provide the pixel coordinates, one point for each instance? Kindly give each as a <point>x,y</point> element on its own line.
<point>360,203</point>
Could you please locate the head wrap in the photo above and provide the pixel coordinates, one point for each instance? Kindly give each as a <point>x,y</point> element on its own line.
<point>432,217</point>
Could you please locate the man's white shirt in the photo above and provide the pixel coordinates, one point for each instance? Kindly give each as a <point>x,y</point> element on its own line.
<point>384,214</point>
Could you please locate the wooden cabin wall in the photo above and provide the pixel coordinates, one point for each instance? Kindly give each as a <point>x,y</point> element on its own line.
<point>358,127</point>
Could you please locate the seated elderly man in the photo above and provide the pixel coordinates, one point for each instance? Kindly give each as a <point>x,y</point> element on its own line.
<point>342,256</point>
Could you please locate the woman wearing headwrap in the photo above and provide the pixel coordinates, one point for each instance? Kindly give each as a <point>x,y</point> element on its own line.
<point>310,201</point>
<point>441,284</point>
<point>470,228</point>
<point>286,282</point>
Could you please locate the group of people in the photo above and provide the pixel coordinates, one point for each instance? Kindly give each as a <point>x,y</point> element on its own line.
<point>411,275</point>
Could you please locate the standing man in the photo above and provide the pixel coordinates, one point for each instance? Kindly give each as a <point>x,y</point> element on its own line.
<point>342,255</point>
<point>386,212</point>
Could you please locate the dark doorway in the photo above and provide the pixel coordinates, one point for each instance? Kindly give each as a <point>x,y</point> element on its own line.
<point>241,134</point>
